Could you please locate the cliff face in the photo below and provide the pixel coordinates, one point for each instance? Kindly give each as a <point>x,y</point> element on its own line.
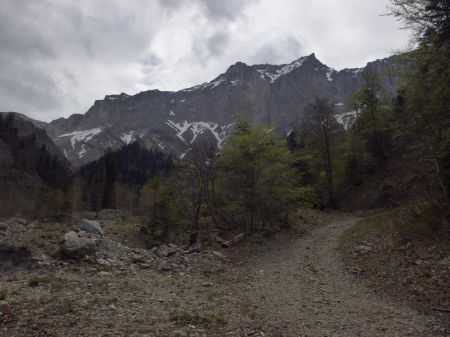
<point>174,121</point>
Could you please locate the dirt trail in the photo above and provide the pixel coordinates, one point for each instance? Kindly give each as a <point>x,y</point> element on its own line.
<point>303,290</point>
<point>289,285</point>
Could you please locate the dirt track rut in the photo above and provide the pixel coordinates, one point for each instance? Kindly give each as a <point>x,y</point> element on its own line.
<point>303,289</point>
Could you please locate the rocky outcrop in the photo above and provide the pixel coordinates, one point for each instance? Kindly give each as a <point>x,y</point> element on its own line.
<point>77,247</point>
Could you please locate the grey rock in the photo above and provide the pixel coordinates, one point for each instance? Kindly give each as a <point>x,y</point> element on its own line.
<point>90,226</point>
<point>144,266</point>
<point>207,284</point>
<point>219,255</point>
<point>195,248</point>
<point>77,247</point>
<point>363,249</point>
<point>165,251</point>
<point>220,240</point>
<point>166,268</point>
<point>21,221</point>
<point>137,258</point>
<point>5,308</point>
<point>238,238</point>
<point>3,226</point>
<point>104,262</point>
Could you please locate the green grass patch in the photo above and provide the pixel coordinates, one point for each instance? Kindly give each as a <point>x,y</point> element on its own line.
<point>55,282</point>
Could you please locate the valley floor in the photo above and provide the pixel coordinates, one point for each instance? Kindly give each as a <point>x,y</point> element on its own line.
<point>292,284</point>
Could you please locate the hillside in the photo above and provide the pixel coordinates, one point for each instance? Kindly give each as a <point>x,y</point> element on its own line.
<point>30,165</point>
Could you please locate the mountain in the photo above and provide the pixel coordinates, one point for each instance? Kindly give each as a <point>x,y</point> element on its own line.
<point>174,121</point>
<point>31,166</point>
<point>31,129</point>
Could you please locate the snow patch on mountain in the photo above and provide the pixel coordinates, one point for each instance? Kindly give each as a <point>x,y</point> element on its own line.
<point>216,83</point>
<point>127,138</point>
<point>82,152</point>
<point>179,128</point>
<point>282,70</point>
<point>197,128</point>
<point>346,119</point>
<point>329,73</point>
<point>81,136</point>
<point>158,141</point>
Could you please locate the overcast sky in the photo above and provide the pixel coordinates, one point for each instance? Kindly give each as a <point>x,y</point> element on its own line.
<point>57,57</point>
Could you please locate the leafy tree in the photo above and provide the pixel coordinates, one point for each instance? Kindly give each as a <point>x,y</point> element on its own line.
<point>257,180</point>
<point>159,199</point>
<point>422,118</point>
<point>371,125</point>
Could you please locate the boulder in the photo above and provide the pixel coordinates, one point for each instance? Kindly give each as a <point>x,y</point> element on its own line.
<point>3,226</point>
<point>90,226</point>
<point>77,247</point>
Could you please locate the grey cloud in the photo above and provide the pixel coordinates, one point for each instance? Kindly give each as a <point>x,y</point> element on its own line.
<point>229,9</point>
<point>208,47</point>
<point>31,89</point>
<point>214,9</point>
<point>281,50</point>
<point>218,42</point>
<point>41,41</point>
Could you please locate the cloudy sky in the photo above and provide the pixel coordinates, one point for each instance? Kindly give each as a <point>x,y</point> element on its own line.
<point>57,57</point>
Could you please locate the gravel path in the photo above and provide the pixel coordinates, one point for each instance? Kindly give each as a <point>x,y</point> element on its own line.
<point>303,290</point>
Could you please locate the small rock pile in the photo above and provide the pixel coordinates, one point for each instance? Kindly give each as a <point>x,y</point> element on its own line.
<point>90,245</point>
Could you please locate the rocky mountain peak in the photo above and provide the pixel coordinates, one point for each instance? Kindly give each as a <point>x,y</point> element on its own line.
<point>174,121</point>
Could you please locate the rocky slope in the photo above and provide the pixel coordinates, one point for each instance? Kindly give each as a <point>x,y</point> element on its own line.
<point>174,121</point>
<point>30,164</point>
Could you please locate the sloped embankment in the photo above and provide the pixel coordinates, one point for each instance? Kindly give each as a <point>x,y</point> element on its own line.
<point>406,254</point>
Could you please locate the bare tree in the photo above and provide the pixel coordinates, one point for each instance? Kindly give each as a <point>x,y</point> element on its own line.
<point>195,187</point>
<point>321,125</point>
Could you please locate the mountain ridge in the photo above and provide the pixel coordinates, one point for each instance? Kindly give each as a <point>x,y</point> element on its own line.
<point>172,121</point>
